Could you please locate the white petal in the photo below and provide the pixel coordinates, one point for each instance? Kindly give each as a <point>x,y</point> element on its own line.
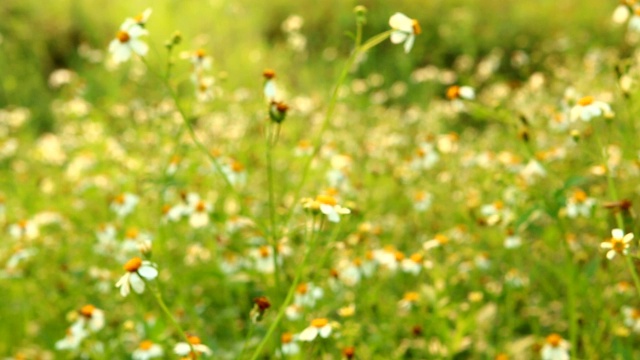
<point>182,349</point>
<point>617,233</point>
<point>148,272</point>
<point>122,53</point>
<point>606,245</point>
<point>308,334</point>
<point>136,31</point>
<point>402,22</point>
<point>611,254</point>
<point>325,331</point>
<point>409,43</point>
<point>398,36</point>
<point>136,283</point>
<point>123,284</point>
<point>139,47</point>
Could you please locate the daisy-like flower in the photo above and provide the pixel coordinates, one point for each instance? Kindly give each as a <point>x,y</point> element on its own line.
<point>137,270</point>
<point>200,61</point>
<point>235,172</point>
<point>319,326</point>
<point>631,318</point>
<point>327,205</point>
<point>74,336</point>
<point>404,29</point>
<point>205,90</point>
<point>555,348</point>
<point>456,92</point>
<point>199,211</point>
<point>413,264</point>
<point>147,350</point>
<point>617,244</point>
<point>92,317</point>
<point>184,349</point>
<point>579,204</point>
<point>124,204</point>
<point>24,229</point>
<point>142,18</point>
<point>408,300</point>
<point>588,107</point>
<point>128,41</point>
<point>422,201</point>
<point>289,344</point>
<point>269,85</point>
<point>263,259</point>
<point>307,294</point>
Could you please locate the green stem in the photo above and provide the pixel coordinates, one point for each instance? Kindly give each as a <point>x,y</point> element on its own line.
<point>174,322</point>
<point>359,49</point>
<point>311,242</point>
<point>272,207</point>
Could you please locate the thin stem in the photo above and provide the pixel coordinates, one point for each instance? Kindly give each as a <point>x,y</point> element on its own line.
<point>359,49</point>
<point>273,231</point>
<point>174,322</point>
<point>311,242</point>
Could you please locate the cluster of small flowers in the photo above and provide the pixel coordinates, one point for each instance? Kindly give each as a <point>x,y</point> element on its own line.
<point>191,206</point>
<point>89,319</point>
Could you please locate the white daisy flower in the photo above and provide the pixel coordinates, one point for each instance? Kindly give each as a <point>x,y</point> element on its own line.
<point>588,108</point>
<point>405,30</point>
<point>128,41</point>
<point>618,243</point>
<point>137,270</point>
<point>147,350</point>
<point>184,349</point>
<point>319,326</point>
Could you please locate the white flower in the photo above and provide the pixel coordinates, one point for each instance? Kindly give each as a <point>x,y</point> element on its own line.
<point>617,244</point>
<point>128,41</point>
<point>318,326</point>
<point>289,344</point>
<point>269,90</point>
<point>634,22</point>
<point>74,336</point>
<point>620,14</point>
<point>413,264</point>
<point>137,269</point>
<point>142,18</point>
<point>307,294</point>
<point>198,210</point>
<point>631,318</point>
<point>588,108</point>
<point>147,350</point>
<point>422,201</point>
<point>329,206</point>
<point>183,348</point>
<point>405,30</point>
<point>24,229</point>
<point>460,92</point>
<point>579,204</point>
<point>92,317</point>
<point>200,61</point>
<point>124,204</point>
<point>555,348</point>
<point>512,242</point>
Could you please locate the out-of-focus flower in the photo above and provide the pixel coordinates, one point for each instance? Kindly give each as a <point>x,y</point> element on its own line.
<point>588,107</point>
<point>289,344</point>
<point>124,204</point>
<point>579,204</point>
<point>456,92</point>
<point>199,211</point>
<point>618,243</point>
<point>74,336</point>
<point>307,294</point>
<point>128,41</point>
<point>92,317</point>
<point>634,22</point>
<point>422,201</point>
<point>621,14</point>
<point>137,269</point>
<point>24,229</point>
<point>269,85</point>
<point>147,350</point>
<point>319,326</point>
<point>404,29</point>
<point>555,348</point>
<point>326,204</point>
<point>183,348</point>
<point>631,318</point>
<point>142,18</point>
<point>200,61</point>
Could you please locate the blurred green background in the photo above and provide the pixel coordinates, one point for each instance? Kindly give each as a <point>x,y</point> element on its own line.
<point>246,36</point>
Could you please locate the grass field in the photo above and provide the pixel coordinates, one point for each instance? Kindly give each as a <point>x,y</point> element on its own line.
<point>327,180</point>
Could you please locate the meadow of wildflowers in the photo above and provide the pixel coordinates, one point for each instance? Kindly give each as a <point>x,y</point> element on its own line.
<point>389,181</point>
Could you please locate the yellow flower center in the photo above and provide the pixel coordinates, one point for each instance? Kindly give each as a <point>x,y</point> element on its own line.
<point>420,196</point>
<point>635,314</point>
<point>22,224</point>
<point>87,310</point>
<point>499,205</point>
<point>399,255</point>
<point>441,239</point>
<point>194,340</point>
<point>165,209</point>
<point>201,206</point>
<point>417,258</point>
<point>119,199</point>
<point>637,11</point>
<point>237,167</point>
<point>286,338</point>
<point>327,200</point>
<point>200,53</point>
<point>319,323</point>
<point>269,74</point>
<point>304,144</point>
<point>618,244</point>
<point>264,251</point>
<point>416,27</point>
<point>138,18</point>
<point>145,345</point>
<point>587,100</point>
<point>411,296</point>
<point>580,196</point>
<point>554,340</point>
<point>133,265</point>
<point>132,233</point>
<point>302,289</point>
<point>453,92</point>
<point>123,36</point>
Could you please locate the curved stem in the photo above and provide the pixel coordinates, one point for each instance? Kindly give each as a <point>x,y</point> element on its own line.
<point>174,322</point>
